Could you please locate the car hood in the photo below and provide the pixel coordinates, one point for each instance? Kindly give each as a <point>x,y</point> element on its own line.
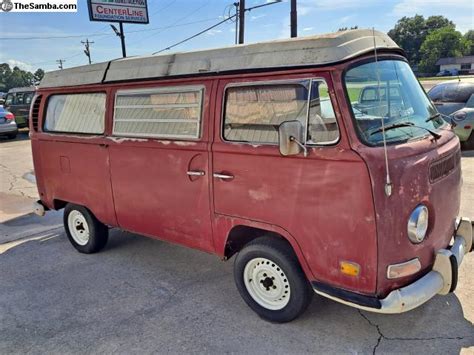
<point>448,108</point>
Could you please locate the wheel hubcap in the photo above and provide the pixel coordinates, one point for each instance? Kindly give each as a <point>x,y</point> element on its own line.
<point>78,227</point>
<point>267,284</point>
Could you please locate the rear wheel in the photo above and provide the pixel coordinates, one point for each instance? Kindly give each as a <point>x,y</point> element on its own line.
<point>85,232</point>
<point>12,136</point>
<point>270,280</point>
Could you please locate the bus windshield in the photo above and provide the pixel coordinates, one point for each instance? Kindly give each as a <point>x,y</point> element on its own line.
<point>388,90</point>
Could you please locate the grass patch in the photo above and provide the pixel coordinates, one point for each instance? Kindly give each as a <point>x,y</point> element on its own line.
<point>354,93</point>
<point>451,77</point>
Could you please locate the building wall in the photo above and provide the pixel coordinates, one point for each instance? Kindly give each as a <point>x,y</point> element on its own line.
<point>449,67</point>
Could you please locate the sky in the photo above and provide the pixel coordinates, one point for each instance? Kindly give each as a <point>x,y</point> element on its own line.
<point>174,20</point>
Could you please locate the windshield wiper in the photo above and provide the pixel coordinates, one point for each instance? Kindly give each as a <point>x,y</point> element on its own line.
<point>431,118</point>
<point>405,124</point>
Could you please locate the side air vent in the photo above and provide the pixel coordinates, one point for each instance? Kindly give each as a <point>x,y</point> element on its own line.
<point>35,112</point>
<point>444,166</point>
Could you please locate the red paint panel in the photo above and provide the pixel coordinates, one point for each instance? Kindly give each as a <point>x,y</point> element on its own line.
<point>409,170</point>
<point>84,181</point>
<point>154,195</point>
<point>323,201</point>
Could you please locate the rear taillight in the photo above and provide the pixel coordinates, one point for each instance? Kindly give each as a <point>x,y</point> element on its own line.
<point>9,116</point>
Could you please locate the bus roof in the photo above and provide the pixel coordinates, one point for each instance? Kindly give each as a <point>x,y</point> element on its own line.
<point>287,53</point>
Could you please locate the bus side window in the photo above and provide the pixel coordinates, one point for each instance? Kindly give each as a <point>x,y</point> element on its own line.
<point>254,112</point>
<point>76,113</point>
<point>9,99</point>
<point>19,100</point>
<point>166,112</point>
<point>322,123</point>
<point>28,97</point>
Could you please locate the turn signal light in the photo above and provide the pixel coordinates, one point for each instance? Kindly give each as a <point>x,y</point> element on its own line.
<point>349,268</point>
<point>403,269</point>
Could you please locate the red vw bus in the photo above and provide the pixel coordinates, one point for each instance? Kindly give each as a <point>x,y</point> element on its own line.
<point>318,162</point>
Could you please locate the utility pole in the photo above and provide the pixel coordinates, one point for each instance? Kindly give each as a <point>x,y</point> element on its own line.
<point>120,34</point>
<point>87,51</point>
<point>236,4</point>
<point>241,21</point>
<point>60,63</point>
<point>294,19</point>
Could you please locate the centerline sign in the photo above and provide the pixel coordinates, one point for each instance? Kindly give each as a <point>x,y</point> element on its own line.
<point>126,11</point>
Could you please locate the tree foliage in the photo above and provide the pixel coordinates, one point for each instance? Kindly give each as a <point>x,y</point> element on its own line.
<point>38,75</point>
<point>16,77</point>
<point>469,35</point>
<point>441,43</point>
<point>410,33</point>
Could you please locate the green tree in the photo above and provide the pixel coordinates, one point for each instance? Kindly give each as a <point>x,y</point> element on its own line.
<point>5,73</point>
<point>410,33</point>
<point>16,77</point>
<point>444,42</point>
<point>469,35</point>
<point>38,75</point>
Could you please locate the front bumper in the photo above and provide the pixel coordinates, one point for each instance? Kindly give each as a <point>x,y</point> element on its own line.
<point>463,133</point>
<point>442,279</point>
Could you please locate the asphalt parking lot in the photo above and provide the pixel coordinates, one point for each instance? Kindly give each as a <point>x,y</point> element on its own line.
<point>141,295</point>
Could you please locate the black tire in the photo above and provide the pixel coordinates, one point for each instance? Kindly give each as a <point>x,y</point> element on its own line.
<point>469,144</point>
<point>98,233</point>
<point>281,255</point>
<point>12,136</point>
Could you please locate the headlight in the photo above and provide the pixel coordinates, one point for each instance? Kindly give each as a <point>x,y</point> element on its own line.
<point>459,116</point>
<point>418,224</point>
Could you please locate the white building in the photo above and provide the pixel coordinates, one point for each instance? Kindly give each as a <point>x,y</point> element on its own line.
<point>463,65</point>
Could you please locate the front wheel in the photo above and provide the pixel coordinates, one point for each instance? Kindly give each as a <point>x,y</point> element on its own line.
<point>469,144</point>
<point>270,280</point>
<point>85,232</point>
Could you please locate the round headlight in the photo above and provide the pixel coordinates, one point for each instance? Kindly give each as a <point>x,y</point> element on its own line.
<point>418,224</point>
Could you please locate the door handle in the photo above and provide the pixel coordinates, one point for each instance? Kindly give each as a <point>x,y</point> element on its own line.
<point>103,145</point>
<point>196,173</point>
<point>223,176</point>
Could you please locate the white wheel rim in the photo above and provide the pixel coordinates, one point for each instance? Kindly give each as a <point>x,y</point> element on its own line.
<point>267,284</point>
<point>78,227</point>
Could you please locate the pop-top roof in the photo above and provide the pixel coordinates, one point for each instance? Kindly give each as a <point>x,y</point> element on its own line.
<point>295,52</point>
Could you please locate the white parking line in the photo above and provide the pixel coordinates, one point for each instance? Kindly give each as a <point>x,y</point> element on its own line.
<point>10,245</point>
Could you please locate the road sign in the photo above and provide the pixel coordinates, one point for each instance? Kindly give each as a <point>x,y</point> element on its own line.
<point>126,11</point>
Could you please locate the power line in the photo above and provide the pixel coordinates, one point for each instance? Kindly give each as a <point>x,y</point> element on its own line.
<point>195,35</point>
<point>51,61</point>
<point>214,26</point>
<point>174,24</point>
<point>96,34</point>
<point>53,37</point>
<point>164,7</point>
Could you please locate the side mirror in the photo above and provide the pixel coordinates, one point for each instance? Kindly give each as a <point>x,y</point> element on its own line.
<point>290,135</point>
